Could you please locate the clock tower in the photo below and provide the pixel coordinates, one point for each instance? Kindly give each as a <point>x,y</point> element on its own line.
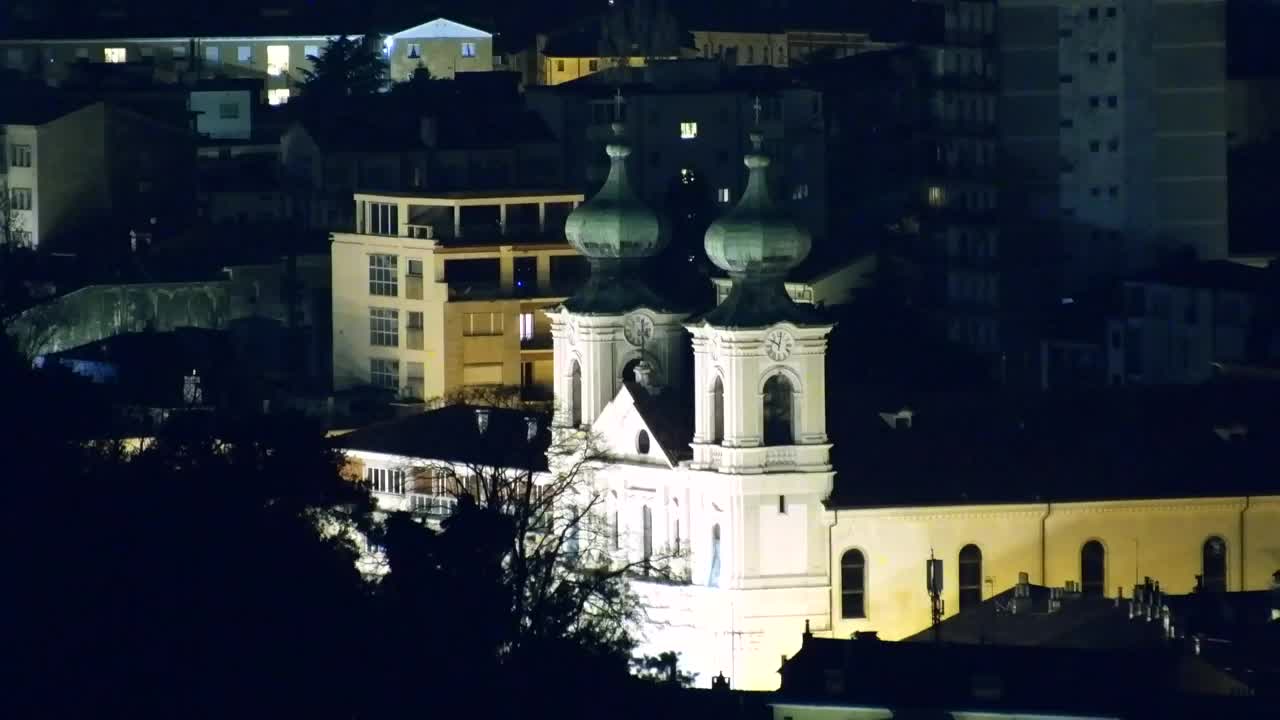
<point>615,321</point>
<point>759,358</point>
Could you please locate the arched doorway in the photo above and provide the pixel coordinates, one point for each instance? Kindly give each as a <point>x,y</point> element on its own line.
<point>778,410</point>
<point>575,395</point>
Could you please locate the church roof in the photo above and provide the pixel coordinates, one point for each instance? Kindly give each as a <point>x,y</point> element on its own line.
<point>1206,441</point>
<point>452,434</point>
<point>669,417</point>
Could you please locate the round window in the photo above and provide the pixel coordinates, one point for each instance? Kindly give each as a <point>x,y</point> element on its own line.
<point>642,442</point>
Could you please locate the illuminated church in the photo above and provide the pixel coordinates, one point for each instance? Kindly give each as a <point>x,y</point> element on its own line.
<point>727,465</point>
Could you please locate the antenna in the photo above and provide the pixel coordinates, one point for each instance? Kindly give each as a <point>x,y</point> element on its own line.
<point>757,107</point>
<point>933,582</point>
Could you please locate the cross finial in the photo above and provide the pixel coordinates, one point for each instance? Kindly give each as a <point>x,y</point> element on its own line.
<point>617,105</point>
<point>757,107</point>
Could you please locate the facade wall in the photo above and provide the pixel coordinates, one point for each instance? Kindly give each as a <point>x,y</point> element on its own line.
<point>557,70</point>
<point>74,184</point>
<point>450,354</point>
<point>223,114</point>
<point>442,57</point>
<point>746,48</point>
<point>28,178</point>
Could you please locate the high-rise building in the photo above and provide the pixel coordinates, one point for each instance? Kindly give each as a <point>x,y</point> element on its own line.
<point>1113,125</point>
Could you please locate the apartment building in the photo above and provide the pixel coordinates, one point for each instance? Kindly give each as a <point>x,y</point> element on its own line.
<point>278,56</point>
<point>687,123</point>
<point>78,172</point>
<point>437,292</point>
<point>1114,126</point>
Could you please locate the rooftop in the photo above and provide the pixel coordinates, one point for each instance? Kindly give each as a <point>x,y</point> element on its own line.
<point>452,434</point>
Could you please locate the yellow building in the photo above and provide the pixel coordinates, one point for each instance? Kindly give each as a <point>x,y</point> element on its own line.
<point>435,292</point>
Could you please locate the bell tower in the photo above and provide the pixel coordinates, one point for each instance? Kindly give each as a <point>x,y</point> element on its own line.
<point>615,321</point>
<point>759,357</point>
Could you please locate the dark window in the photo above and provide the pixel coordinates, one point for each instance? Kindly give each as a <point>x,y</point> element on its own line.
<point>778,401</point>
<point>525,276</point>
<point>1111,12</point>
<point>1113,145</point>
<point>642,443</point>
<point>1095,145</point>
<point>1093,58</point>
<point>575,395</point>
<point>647,534</point>
<point>717,412</point>
<point>1113,191</point>
<point>1066,123</point>
<point>1093,566</point>
<point>1113,101</point>
<point>1094,101</point>
<point>1214,565</point>
<point>713,577</point>
<point>853,585</point>
<point>472,273</point>
<point>970,577</point>
<point>1111,56</point>
<point>782,504</point>
<point>617,532</point>
<point>1093,13</point>
<point>1065,78</point>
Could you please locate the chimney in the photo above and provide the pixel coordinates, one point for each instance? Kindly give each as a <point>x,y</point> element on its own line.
<point>807,633</point>
<point>720,682</point>
<point>482,420</point>
<point>1055,599</point>
<point>1022,595</point>
<point>428,131</point>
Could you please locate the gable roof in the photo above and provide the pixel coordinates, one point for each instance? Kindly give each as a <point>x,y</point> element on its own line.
<point>452,434</point>
<point>442,28</point>
<point>665,416</point>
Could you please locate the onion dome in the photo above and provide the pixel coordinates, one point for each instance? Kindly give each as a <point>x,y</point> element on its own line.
<point>757,244</point>
<point>615,223</point>
<point>616,232</point>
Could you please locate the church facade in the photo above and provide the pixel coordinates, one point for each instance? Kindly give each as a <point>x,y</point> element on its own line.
<point>720,469</point>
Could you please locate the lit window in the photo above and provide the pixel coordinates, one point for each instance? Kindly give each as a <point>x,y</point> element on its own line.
<point>147,52</point>
<point>413,50</point>
<point>179,51</point>
<point>526,326</point>
<point>937,198</point>
<point>384,373</point>
<point>384,327</point>
<point>279,96</point>
<point>722,195</point>
<point>310,51</point>
<point>244,54</point>
<point>688,130</point>
<point>115,55</point>
<point>211,54</point>
<point>382,480</point>
<point>800,192</point>
<point>277,60</point>
<point>468,49</point>
<point>686,176</point>
<point>383,278</point>
<point>82,53</point>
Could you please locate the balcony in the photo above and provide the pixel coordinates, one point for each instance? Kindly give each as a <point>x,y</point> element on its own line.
<point>536,343</point>
<point>435,506</point>
<point>778,458</point>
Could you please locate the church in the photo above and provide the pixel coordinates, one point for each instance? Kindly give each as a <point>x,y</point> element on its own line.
<point>725,466</point>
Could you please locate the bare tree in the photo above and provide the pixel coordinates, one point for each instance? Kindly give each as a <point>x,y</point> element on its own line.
<point>566,567</point>
<point>639,28</point>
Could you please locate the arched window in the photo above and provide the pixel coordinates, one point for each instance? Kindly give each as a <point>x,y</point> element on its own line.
<point>575,395</point>
<point>970,577</point>
<point>713,579</point>
<point>853,585</point>
<point>1093,569</point>
<point>778,400</point>
<point>646,548</point>
<point>717,411</point>
<point>629,371</point>
<point>642,442</point>
<point>1213,565</point>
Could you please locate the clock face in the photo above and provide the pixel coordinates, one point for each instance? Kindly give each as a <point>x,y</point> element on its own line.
<point>638,329</point>
<point>778,344</point>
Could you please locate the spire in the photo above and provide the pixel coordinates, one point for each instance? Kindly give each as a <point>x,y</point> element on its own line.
<point>615,231</point>
<point>757,244</point>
